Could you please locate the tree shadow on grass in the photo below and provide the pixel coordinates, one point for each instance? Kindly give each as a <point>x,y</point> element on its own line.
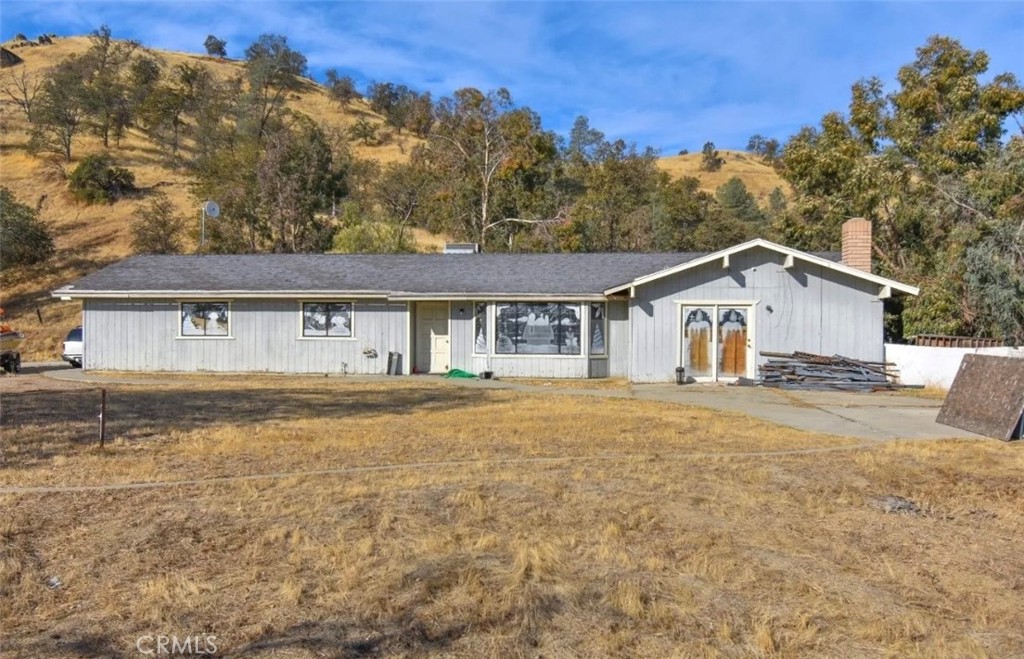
<point>414,629</point>
<point>333,639</point>
<point>39,425</point>
<point>324,639</point>
<point>404,635</point>
<point>86,646</point>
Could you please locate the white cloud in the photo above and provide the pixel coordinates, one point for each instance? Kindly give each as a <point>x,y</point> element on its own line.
<point>657,73</point>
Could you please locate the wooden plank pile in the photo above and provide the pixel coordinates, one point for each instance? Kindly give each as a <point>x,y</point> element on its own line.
<point>805,370</point>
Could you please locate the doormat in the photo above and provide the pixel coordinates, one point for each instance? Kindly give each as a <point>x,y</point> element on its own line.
<point>987,397</point>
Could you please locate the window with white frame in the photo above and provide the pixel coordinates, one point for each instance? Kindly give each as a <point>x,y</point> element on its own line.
<point>327,319</point>
<point>537,328</point>
<point>480,328</point>
<point>205,319</point>
<point>598,328</point>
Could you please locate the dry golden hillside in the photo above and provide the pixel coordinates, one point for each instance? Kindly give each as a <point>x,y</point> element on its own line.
<point>759,178</point>
<point>89,237</point>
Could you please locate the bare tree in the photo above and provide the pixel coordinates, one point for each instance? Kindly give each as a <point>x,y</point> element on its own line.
<point>22,87</point>
<point>399,193</point>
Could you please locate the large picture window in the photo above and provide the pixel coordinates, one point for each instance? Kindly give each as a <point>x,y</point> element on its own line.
<point>200,319</point>
<point>538,328</point>
<point>480,328</point>
<point>327,319</point>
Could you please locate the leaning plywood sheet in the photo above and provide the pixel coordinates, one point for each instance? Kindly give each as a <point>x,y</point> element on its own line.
<point>987,396</point>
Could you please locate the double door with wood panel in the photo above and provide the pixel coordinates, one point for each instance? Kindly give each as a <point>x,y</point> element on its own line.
<point>717,341</point>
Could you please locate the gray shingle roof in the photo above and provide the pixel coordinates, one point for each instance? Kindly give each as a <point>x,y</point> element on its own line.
<point>415,274</point>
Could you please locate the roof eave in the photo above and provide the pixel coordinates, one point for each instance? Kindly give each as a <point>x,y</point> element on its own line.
<point>895,286</point>
<point>72,293</point>
<point>424,297</point>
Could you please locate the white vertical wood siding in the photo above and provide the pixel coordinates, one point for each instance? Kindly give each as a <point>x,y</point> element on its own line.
<point>532,367</point>
<point>266,335</point>
<point>618,338</point>
<point>462,337</point>
<point>814,309</point>
<point>522,366</point>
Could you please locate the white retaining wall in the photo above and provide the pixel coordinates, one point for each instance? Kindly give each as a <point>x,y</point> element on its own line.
<point>936,367</point>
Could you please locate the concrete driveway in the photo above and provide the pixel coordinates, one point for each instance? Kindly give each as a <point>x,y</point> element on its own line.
<point>880,416</point>
<point>876,416</point>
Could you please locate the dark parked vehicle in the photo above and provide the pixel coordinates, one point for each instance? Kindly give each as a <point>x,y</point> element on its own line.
<point>10,341</point>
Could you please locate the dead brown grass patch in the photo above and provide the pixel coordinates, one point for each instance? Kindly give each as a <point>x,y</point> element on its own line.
<point>646,554</point>
<point>216,426</point>
<point>929,392</point>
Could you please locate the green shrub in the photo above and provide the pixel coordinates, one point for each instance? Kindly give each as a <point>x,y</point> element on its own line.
<point>96,180</point>
<point>24,238</point>
<point>157,229</point>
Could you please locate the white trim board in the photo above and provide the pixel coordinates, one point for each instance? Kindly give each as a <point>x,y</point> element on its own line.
<point>71,294</point>
<point>721,303</point>
<point>497,297</point>
<point>218,295</point>
<point>888,286</point>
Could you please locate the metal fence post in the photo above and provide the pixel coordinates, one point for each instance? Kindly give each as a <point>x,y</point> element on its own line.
<point>103,417</point>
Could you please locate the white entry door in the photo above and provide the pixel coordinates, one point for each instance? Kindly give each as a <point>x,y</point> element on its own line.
<point>433,347</point>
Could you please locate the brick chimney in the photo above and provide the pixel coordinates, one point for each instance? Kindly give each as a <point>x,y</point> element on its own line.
<point>857,243</point>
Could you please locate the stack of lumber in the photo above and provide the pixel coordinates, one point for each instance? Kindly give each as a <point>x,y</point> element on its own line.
<point>804,370</point>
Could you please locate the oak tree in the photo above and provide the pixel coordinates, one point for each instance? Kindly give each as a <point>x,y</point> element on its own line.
<point>215,47</point>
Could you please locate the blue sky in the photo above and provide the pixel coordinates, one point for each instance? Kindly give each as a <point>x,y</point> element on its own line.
<point>671,75</point>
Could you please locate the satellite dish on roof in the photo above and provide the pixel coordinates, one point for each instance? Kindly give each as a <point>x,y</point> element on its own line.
<point>211,208</point>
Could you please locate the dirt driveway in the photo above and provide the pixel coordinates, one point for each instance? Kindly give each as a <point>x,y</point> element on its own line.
<point>874,416</point>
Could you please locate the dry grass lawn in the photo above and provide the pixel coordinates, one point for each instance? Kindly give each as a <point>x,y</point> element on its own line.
<point>467,522</point>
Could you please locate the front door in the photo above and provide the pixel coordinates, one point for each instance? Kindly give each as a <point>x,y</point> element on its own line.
<point>733,342</point>
<point>717,341</point>
<point>433,348</point>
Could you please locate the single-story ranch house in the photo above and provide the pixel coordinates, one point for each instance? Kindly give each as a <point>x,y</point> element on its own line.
<point>638,316</point>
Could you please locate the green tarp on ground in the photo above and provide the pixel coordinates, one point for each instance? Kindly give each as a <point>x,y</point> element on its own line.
<point>459,373</point>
